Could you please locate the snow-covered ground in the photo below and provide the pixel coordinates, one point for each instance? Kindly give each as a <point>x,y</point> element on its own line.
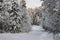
<point>37,33</point>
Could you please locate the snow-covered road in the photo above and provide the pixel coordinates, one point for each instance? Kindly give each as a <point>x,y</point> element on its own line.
<point>37,33</point>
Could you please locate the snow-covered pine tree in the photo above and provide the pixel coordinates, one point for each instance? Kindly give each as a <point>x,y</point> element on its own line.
<point>51,15</point>
<point>20,18</point>
<point>25,18</point>
<point>17,18</point>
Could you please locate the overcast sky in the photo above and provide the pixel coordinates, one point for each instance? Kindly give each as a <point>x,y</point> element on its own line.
<point>33,3</point>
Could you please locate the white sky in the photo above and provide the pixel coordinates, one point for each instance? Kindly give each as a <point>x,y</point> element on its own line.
<point>33,3</point>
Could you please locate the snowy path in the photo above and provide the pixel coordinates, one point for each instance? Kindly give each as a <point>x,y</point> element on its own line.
<point>36,34</point>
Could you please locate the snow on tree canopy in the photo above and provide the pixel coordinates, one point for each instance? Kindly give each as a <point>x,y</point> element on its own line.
<point>14,18</point>
<point>51,15</point>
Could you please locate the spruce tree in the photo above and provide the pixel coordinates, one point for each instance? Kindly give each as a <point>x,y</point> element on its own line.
<point>16,19</point>
<point>51,17</point>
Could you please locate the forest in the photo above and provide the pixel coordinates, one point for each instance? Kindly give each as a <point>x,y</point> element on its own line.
<point>15,17</point>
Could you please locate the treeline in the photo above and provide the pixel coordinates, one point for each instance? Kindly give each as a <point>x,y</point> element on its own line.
<point>36,15</point>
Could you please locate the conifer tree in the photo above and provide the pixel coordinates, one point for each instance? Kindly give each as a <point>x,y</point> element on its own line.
<point>51,17</point>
